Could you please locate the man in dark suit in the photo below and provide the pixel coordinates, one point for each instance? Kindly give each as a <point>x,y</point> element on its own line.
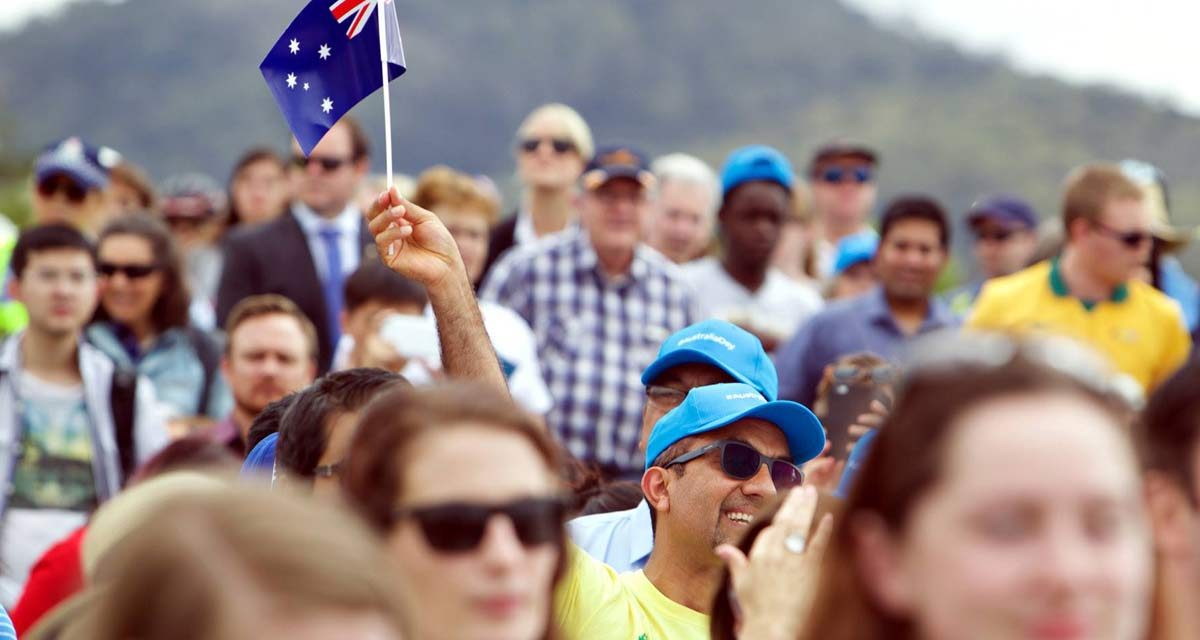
<point>306,254</point>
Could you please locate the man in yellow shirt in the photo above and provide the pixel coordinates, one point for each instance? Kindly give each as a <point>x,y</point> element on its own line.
<point>711,465</point>
<point>1090,292</point>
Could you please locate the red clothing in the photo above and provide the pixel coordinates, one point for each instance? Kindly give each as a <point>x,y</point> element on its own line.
<point>56,576</point>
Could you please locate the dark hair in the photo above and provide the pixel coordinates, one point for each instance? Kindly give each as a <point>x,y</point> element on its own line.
<point>906,461</point>
<point>374,282</point>
<point>48,237</point>
<point>915,207</point>
<point>303,433</point>
<point>267,421</point>
<point>360,144</point>
<point>1169,429</point>
<point>170,310</point>
<point>252,156</point>
<point>608,497</point>
<point>195,452</point>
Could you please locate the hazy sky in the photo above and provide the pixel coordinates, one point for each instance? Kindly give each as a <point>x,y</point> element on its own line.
<point>1147,46</point>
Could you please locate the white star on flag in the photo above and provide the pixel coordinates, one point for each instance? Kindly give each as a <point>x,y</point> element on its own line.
<point>323,51</point>
<point>294,46</point>
<point>306,86</point>
<point>291,80</point>
<point>327,105</point>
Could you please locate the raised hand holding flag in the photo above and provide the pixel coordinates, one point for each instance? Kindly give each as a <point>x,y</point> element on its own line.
<point>324,64</point>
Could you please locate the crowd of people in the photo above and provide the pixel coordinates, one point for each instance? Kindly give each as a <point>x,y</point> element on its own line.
<point>653,401</point>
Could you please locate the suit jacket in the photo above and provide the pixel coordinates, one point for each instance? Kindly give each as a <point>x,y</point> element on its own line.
<point>274,258</point>
<point>503,237</point>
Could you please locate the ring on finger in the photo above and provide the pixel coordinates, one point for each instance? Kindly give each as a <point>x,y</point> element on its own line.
<point>795,542</point>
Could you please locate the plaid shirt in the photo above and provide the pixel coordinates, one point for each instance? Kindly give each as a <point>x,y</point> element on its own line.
<point>595,335</point>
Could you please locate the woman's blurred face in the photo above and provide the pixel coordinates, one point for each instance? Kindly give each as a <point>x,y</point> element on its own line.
<point>500,588</point>
<point>1035,530</point>
<point>130,279</point>
<point>260,191</point>
<point>555,163</point>
<point>470,230</point>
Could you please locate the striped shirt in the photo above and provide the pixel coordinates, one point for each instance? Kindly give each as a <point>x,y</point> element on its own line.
<point>595,334</point>
<point>7,632</point>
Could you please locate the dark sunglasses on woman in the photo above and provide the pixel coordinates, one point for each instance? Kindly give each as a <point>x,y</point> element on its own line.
<point>62,184</point>
<point>559,145</point>
<point>131,271</point>
<point>741,461</point>
<point>459,527</point>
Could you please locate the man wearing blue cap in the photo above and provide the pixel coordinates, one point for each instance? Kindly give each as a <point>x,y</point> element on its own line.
<point>852,271</point>
<point>599,302</point>
<point>1005,234</point>
<point>741,286</point>
<point>711,464</point>
<point>70,183</point>
<point>706,353</point>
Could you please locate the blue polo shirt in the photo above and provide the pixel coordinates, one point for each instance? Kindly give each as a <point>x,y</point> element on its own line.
<point>620,539</point>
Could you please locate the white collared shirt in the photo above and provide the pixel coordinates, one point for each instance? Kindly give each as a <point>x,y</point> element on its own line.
<point>524,233</point>
<point>347,222</point>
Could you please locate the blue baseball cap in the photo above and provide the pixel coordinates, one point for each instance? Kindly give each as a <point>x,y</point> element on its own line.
<point>710,408</point>
<point>261,459</point>
<point>756,163</point>
<point>722,345</point>
<point>1006,210</point>
<point>855,248</point>
<point>617,161</point>
<point>87,165</point>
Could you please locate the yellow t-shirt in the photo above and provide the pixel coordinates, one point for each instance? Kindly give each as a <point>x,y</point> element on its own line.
<point>1140,329</point>
<point>594,601</point>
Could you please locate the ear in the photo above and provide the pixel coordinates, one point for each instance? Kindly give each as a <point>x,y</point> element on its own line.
<point>1077,228</point>
<point>656,486</point>
<point>225,366</point>
<point>343,321</point>
<point>14,288</point>
<point>361,166</point>
<point>1171,515</point>
<point>879,564</point>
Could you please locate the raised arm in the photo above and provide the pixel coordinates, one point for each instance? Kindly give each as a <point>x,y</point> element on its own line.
<point>414,243</point>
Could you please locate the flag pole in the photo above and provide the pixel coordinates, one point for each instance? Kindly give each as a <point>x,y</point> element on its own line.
<point>387,97</point>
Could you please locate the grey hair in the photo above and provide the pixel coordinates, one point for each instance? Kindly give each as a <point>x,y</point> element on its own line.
<point>688,169</point>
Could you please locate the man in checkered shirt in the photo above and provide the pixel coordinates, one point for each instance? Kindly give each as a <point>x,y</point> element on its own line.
<point>600,303</point>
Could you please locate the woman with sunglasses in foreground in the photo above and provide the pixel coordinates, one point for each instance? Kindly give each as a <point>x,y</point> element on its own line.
<point>464,486</point>
<point>1001,499</point>
<point>142,322</point>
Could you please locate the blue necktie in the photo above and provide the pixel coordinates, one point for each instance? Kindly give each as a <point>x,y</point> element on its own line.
<point>332,286</point>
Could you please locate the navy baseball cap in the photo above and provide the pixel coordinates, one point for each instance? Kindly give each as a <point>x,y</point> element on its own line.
<point>855,248</point>
<point>756,163</point>
<point>1006,210</point>
<point>617,161</point>
<point>720,405</point>
<point>87,165</point>
<point>722,345</point>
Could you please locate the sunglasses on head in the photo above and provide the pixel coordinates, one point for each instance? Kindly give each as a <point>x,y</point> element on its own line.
<point>131,271</point>
<point>741,461</point>
<point>560,145</point>
<point>837,175</point>
<point>327,164</point>
<point>1131,239</point>
<point>75,193</point>
<point>458,527</point>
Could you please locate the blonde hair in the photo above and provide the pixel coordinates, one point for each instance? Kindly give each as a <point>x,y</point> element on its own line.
<point>442,186</point>
<point>576,127</point>
<point>213,567</point>
<point>1090,187</point>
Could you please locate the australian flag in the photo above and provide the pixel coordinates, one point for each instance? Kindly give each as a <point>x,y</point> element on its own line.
<point>328,60</point>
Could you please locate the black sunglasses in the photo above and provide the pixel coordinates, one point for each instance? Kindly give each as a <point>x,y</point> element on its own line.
<point>861,175</point>
<point>327,164</point>
<point>131,271</point>
<point>741,461</point>
<point>847,373</point>
<point>560,145</point>
<point>75,193</point>
<point>1131,239</point>
<point>458,527</point>
<point>995,235</point>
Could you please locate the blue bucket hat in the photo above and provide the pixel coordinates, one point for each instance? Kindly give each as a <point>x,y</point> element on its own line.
<point>722,345</point>
<point>710,408</point>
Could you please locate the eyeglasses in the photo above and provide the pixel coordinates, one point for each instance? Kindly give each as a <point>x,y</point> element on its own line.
<point>995,235</point>
<point>131,271</point>
<point>560,145</point>
<point>837,175</point>
<point>61,184</point>
<point>665,397</point>
<point>327,164</point>
<point>1131,239</point>
<point>741,461</point>
<point>459,527</point>
<point>847,373</point>
<point>329,470</point>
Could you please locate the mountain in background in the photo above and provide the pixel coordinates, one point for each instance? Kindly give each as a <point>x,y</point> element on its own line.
<point>175,86</point>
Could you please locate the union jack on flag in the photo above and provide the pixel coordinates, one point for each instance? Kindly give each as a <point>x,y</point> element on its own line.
<point>318,70</point>
<point>356,11</point>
